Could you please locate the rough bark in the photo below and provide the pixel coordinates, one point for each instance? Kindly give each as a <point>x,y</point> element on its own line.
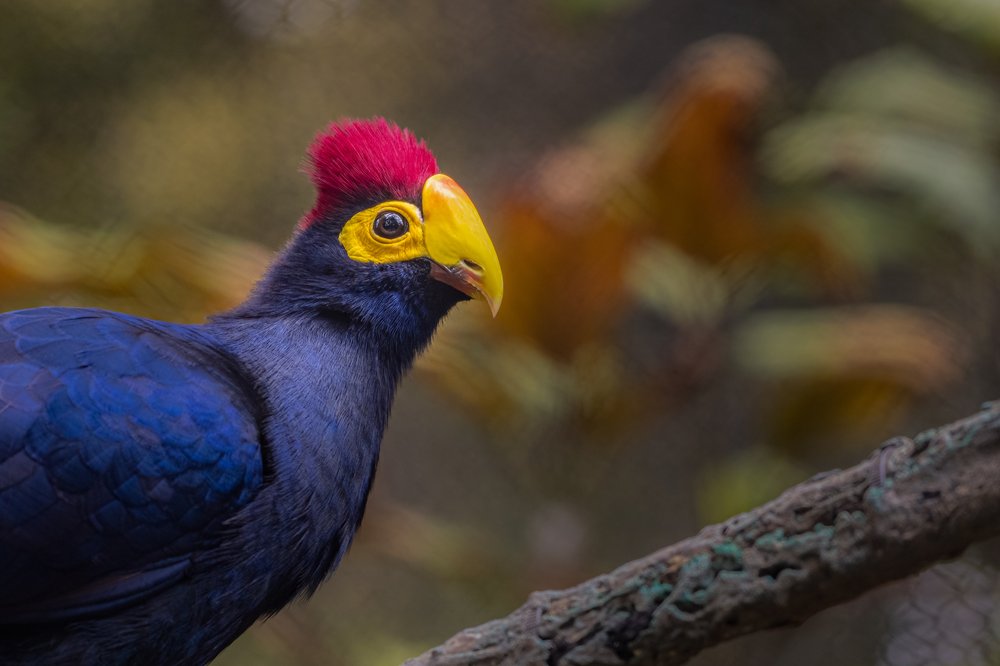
<point>911,504</point>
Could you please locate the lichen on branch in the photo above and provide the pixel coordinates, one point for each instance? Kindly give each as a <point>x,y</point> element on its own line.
<point>911,504</point>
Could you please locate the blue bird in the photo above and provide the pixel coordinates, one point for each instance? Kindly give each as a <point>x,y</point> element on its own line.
<point>162,486</point>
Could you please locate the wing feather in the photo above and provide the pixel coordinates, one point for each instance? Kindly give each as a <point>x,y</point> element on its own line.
<point>124,446</point>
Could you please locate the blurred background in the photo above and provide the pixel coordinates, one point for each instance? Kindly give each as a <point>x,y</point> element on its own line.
<point>743,242</point>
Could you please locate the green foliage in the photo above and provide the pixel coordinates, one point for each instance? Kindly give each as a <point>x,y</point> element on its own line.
<point>976,20</point>
<point>899,123</point>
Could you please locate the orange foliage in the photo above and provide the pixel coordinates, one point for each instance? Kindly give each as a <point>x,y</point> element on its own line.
<point>680,173</point>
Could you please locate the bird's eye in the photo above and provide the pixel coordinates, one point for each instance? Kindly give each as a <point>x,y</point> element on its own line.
<point>390,225</point>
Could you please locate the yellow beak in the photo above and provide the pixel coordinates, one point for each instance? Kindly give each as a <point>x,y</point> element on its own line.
<point>458,244</point>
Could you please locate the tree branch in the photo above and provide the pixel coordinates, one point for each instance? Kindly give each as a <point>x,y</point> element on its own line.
<point>910,504</point>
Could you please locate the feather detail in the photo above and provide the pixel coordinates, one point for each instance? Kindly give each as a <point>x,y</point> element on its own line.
<point>354,160</point>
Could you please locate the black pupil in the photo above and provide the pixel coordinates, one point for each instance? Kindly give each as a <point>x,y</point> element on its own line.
<point>390,224</point>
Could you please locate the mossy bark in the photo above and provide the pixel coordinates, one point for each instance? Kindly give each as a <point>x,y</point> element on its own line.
<point>911,504</point>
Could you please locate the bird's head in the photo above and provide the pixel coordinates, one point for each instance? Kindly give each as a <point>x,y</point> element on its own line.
<point>388,235</point>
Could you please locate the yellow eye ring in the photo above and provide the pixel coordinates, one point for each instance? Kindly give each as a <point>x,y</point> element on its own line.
<point>363,241</point>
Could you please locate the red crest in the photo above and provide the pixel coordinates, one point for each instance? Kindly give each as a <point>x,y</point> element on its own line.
<point>355,161</point>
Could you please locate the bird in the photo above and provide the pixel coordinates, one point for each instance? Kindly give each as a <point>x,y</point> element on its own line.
<point>164,485</point>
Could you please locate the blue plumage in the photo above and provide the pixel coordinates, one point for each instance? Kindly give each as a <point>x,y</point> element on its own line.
<point>163,486</point>
<point>142,429</point>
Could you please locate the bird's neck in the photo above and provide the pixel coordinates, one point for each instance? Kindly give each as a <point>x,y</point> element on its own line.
<point>325,341</point>
<point>327,390</point>
<point>321,376</point>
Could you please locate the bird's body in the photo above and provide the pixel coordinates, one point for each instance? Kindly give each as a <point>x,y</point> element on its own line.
<point>162,486</point>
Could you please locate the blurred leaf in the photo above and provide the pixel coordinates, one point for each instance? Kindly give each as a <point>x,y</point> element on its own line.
<point>679,287</point>
<point>907,86</point>
<point>501,381</point>
<point>653,208</point>
<point>925,135</point>
<point>840,373</point>
<point>563,273</point>
<point>695,185</point>
<point>35,254</point>
<point>180,273</point>
<point>743,481</point>
<point>869,230</point>
<point>978,20</point>
<point>906,345</point>
<point>961,182</point>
